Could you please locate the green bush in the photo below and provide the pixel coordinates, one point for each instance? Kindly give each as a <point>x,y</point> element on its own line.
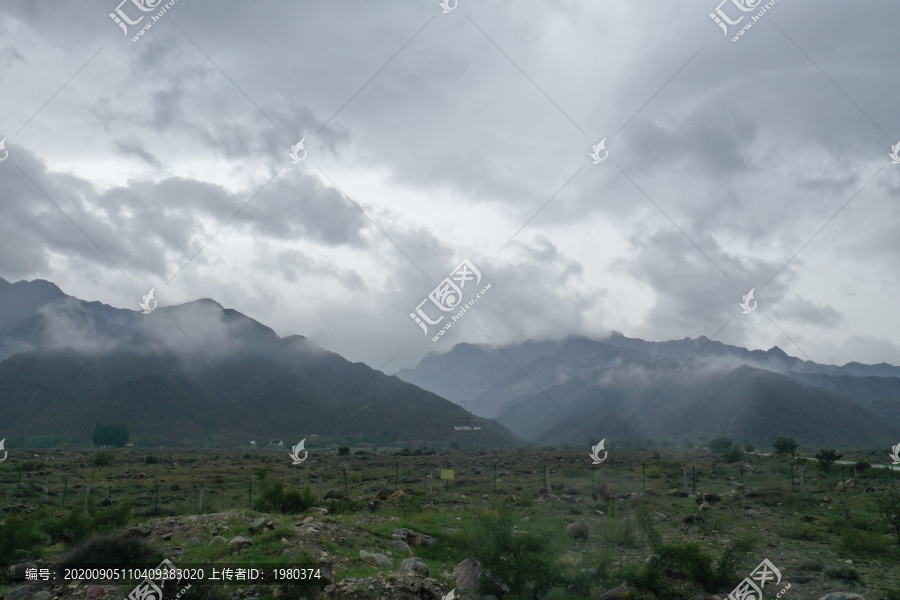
<point>113,549</point>
<point>784,445</point>
<point>102,458</point>
<point>76,527</point>
<point>110,434</point>
<point>720,445</point>
<point>274,498</point>
<point>733,455</point>
<point>343,451</point>
<point>151,460</point>
<point>845,572</point>
<point>862,465</point>
<point>19,533</point>
<point>526,563</point>
<point>827,458</point>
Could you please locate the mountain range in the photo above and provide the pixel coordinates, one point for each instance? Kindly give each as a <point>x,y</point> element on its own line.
<point>197,373</point>
<point>580,390</point>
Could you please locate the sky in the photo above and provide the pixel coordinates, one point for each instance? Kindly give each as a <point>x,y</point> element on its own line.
<point>436,134</point>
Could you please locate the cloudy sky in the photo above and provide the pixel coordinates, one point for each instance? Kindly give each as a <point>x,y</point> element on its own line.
<point>432,137</point>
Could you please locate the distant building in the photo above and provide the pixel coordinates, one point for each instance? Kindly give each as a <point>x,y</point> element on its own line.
<point>252,443</point>
<point>276,443</point>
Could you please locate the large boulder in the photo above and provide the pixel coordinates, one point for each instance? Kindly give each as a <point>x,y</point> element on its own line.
<point>414,566</point>
<point>413,538</point>
<point>401,547</point>
<point>334,493</point>
<point>578,531</point>
<point>257,525</point>
<point>603,492</point>
<point>382,561</point>
<point>238,542</point>
<point>466,574</point>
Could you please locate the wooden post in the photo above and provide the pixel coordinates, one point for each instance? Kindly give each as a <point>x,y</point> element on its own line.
<point>547,478</point>
<point>800,467</point>
<point>684,477</point>
<point>87,496</point>
<point>65,488</point>
<point>346,487</point>
<point>201,500</point>
<point>644,476</point>
<point>793,490</point>
<point>430,482</point>
<point>320,486</point>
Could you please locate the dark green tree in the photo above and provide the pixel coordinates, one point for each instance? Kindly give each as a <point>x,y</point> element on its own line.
<point>785,445</point>
<point>720,445</point>
<point>827,458</point>
<point>111,434</point>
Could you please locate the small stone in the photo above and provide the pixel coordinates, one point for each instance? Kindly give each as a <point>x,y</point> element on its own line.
<point>42,595</point>
<point>238,542</point>
<point>218,541</point>
<point>93,592</point>
<point>414,566</point>
<point>753,513</point>
<point>401,547</point>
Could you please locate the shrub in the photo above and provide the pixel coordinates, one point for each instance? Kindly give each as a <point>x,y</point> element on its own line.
<point>112,549</point>
<point>862,465</point>
<point>784,445</point>
<point>19,533</point>
<point>77,527</point>
<point>110,434</point>
<point>733,455</point>
<point>101,459</point>
<point>827,458</point>
<point>151,460</point>
<point>525,563</point>
<point>343,451</point>
<point>889,507</point>
<point>749,448</point>
<point>720,445</point>
<point>845,572</point>
<point>274,498</point>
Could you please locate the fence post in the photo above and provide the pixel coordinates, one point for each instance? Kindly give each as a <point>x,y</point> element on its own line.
<point>396,477</point>
<point>644,476</point>
<point>684,477</point>
<point>346,487</point>
<point>800,467</point>
<point>793,490</point>
<point>250,493</point>
<point>65,488</point>
<point>201,500</point>
<point>693,480</point>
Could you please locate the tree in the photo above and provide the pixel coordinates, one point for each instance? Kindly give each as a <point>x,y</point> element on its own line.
<point>110,434</point>
<point>785,445</point>
<point>733,455</point>
<point>720,445</point>
<point>827,458</point>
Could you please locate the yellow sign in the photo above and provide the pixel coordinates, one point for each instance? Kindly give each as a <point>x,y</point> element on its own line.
<point>446,473</point>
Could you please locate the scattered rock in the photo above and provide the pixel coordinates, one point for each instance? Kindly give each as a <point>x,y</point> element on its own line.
<point>319,510</point>
<point>659,515</point>
<point>413,538</point>
<point>239,542</point>
<point>842,596</point>
<point>466,574</point>
<point>414,566</point>
<point>604,492</point>
<point>17,572</point>
<point>382,561</point>
<point>95,591</point>
<point>578,531</point>
<point>383,494</point>
<point>395,496</point>
<point>334,493</point>
<point>257,525</point>
<point>42,595</point>
<point>826,499</point>
<point>142,531</point>
<point>543,493</point>
<point>401,546</point>
<point>619,593</point>
<point>705,506</point>
<point>218,541</point>
<point>753,513</point>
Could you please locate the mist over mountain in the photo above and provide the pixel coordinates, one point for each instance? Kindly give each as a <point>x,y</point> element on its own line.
<point>197,373</point>
<point>688,390</point>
